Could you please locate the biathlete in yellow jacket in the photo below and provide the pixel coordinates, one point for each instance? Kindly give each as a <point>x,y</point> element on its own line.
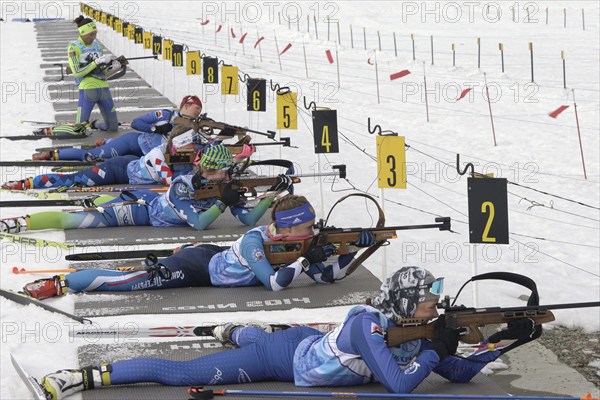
<point>89,68</point>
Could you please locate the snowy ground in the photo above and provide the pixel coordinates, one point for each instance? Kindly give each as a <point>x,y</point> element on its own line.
<point>556,245</point>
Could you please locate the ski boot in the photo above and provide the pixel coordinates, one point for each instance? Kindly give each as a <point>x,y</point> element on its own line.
<point>224,332</point>
<point>23,184</point>
<point>45,155</point>
<point>14,225</point>
<point>45,288</point>
<point>66,382</point>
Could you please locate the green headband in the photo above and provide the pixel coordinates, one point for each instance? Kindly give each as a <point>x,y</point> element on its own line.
<point>87,28</point>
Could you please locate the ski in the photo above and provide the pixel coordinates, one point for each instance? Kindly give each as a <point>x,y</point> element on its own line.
<point>38,194</point>
<point>38,137</point>
<point>86,202</point>
<point>35,241</point>
<point>25,300</point>
<point>32,384</point>
<point>117,255</point>
<point>49,163</point>
<point>131,330</point>
<point>60,147</point>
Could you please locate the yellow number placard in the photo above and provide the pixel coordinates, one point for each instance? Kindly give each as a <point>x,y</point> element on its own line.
<point>229,80</point>
<point>193,63</point>
<point>119,26</point>
<point>167,52</point>
<point>131,32</point>
<point>147,40</point>
<point>287,111</point>
<point>391,162</point>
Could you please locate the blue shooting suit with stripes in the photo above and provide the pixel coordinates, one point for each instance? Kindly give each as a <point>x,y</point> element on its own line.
<point>352,354</point>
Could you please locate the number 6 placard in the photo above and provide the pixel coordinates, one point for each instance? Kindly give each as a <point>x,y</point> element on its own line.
<point>391,162</point>
<point>488,210</point>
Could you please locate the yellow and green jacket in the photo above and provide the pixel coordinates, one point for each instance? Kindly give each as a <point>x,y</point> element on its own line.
<point>82,62</point>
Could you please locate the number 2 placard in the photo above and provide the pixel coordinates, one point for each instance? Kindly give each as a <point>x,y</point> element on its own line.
<point>488,210</point>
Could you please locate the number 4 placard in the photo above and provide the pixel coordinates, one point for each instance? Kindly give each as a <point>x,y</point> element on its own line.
<point>391,162</point>
<point>488,210</point>
<point>325,131</point>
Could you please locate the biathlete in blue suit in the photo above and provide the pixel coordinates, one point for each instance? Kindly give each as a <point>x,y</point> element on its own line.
<point>354,353</point>
<point>176,207</point>
<point>243,264</point>
<point>152,129</point>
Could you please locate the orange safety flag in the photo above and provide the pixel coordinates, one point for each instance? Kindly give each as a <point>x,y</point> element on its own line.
<point>399,74</point>
<point>463,93</point>
<point>286,48</point>
<point>243,37</point>
<point>258,41</point>
<point>329,56</point>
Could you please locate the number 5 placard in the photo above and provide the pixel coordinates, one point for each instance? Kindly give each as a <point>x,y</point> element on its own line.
<point>488,210</point>
<point>391,162</point>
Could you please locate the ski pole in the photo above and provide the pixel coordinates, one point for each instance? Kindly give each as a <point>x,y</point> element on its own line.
<point>199,393</point>
<point>16,270</point>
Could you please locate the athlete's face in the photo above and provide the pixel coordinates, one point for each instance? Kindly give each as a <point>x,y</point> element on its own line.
<point>302,231</point>
<point>427,309</point>
<point>191,110</point>
<point>89,38</point>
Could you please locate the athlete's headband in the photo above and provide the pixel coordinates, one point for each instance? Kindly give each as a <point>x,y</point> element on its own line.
<point>87,28</point>
<point>295,216</point>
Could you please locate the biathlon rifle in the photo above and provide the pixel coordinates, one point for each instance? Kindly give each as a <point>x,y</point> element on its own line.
<point>187,155</point>
<point>122,59</point>
<point>205,126</point>
<point>247,185</point>
<point>343,239</point>
<point>473,318</point>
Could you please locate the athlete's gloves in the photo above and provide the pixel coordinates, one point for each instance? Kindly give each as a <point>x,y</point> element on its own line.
<point>445,339</point>
<point>162,129</point>
<point>230,197</point>
<point>104,60</point>
<point>246,152</point>
<point>283,183</point>
<point>316,254</point>
<point>365,239</point>
<point>522,328</point>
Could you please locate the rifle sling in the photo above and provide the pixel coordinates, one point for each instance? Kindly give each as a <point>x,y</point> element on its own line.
<point>372,249</point>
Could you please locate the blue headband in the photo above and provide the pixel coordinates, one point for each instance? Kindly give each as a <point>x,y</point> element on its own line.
<point>295,216</point>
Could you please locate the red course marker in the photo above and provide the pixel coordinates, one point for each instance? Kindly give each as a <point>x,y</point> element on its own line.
<point>556,112</point>
<point>463,93</point>
<point>399,74</point>
<point>258,41</point>
<point>329,56</point>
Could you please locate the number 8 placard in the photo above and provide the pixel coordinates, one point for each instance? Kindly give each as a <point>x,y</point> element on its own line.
<point>488,210</point>
<point>391,162</point>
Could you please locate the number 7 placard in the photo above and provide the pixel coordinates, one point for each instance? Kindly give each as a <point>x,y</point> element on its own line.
<point>488,210</point>
<point>391,162</point>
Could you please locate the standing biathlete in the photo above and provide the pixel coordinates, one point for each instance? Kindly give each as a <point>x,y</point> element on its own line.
<point>243,264</point>
<point>89,69</point>
<point>152,129</point>
<point>355,353</point>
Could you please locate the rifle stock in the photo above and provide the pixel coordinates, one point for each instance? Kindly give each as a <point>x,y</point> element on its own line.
<point>246,185</point>
<point>207,126</point>
<point>472,319</point>
<point>286,252</point>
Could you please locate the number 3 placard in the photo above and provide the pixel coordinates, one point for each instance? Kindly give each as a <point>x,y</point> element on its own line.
<point>488,210</point>
<point>391,162</point>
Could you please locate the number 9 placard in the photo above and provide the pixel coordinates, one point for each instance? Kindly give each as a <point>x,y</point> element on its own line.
<point>488,210</point>
<point>391,162</point>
